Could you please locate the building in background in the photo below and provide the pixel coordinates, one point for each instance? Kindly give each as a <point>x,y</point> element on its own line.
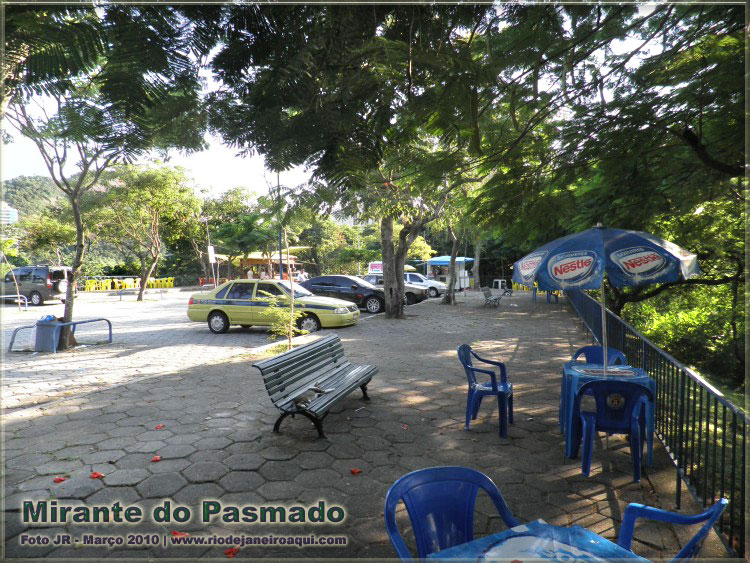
<point>8,214</point>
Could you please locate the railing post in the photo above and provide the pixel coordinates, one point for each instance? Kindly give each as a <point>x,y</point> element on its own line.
<point>679,450</point>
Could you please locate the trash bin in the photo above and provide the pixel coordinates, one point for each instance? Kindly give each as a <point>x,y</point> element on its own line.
<point>46,334</point>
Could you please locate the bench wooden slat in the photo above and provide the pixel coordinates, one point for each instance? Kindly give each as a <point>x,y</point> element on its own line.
<point>322,363</point>
<point>305,376</point>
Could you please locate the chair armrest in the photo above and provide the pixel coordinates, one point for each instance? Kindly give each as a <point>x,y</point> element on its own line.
<point>635,510</point>
<point>501,365</point>
<point>575,356</point>
<point>488,372</point>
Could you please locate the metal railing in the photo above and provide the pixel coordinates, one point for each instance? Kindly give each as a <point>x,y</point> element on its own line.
<point>703,433</point>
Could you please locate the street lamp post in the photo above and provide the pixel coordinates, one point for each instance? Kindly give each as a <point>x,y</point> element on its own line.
<point>208,240</point>
<point>278,189</point>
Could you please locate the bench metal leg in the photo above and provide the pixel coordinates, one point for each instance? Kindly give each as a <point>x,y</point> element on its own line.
<point>315,420</point>
<point>364,392</point>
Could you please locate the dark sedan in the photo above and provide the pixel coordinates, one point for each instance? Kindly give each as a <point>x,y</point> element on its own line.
<point>356,290</point>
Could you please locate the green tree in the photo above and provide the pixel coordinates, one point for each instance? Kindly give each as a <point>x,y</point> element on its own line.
<point>118,82</point>
<point>138,205</point>
<point>46,238</point>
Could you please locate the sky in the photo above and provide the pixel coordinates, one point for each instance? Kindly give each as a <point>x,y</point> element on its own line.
<point>214,170</point>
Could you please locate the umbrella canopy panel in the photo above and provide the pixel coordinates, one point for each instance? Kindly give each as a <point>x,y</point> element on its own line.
<point>629,258</point>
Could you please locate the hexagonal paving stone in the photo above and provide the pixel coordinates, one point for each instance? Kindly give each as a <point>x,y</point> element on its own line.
<point>212,443</point>
<point>313,460</point>
<point>278,454</point>
<point>193,495</point>
<point>161,485</point>
<point>167,465</point>
<point>80,486</point>
<point>105,456</point>
<point>55,467</point>
<point>205,471</point>
<point>125,477</point>
<point>152,435</point>
<point>110,495</point>
<point>116,443</point>
<point>280,470</point>
<point>237,481</point>
<point>244,461</point>
<point>279,490</point>
<point>145,447</point>
<point>209,455</point>
<point>177,450</point>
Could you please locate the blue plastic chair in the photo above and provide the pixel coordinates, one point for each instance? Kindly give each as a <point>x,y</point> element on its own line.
<point>440,502</point>
<point>691,549</point>
<point>595,355</point>
<point>479,390</point>
<point>620,409</point>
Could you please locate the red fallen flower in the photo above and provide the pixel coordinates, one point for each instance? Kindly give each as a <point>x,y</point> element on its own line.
<point>404,427</point>
<point>356,471</point>
<point>231,552</point>
<point>59,479</point>
<point>96,475</point>
<point>158,427</point>
<point>180,534</point>
<point>156,458</point>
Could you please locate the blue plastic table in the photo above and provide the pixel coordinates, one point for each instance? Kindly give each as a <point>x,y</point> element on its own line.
<point>576,374</point>
<point>539,540</point>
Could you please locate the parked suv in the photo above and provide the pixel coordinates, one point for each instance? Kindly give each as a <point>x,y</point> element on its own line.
<point>356,290</point>
<point>38,283</point>
<point>412,292</point>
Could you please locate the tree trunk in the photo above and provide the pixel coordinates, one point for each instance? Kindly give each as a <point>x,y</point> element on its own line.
<point>393,275</point>
<point>478,243</point>
<point>290,332</point>
<point>76,268</point>
<point>450,294</point>
<point>146,274</point>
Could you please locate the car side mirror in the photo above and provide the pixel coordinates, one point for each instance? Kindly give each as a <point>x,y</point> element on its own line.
<point>354,287</point>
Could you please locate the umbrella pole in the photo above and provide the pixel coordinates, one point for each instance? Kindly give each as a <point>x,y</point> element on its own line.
<point>604,325</point>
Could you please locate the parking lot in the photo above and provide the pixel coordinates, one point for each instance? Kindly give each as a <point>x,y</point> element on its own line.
<point>151,337</point>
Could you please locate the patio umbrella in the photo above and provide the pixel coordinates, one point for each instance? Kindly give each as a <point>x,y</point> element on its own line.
<point>580,260</point>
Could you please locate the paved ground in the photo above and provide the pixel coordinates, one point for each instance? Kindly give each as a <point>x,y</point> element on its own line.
<point>216,443</point>
<point>150,338</point>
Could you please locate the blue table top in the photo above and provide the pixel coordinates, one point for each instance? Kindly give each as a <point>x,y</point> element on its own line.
<point>539,540</point>
<point>597,370</point>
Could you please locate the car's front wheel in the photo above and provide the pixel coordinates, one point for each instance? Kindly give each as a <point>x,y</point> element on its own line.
<point>309,323</point>
<point>36,298</point>
<point>218,323</point>
<point>410,299</point>
<point>433,292</point>
<point>374,305</point>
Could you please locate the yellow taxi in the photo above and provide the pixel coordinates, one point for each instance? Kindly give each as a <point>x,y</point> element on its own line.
<point>244,303</point>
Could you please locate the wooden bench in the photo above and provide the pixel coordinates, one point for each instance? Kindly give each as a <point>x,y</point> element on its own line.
<point>289,377</point>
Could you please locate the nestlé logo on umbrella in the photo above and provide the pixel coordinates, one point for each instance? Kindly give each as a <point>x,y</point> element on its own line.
<point>639,261</point>
<point>572,267</point>
<point>529,265</point>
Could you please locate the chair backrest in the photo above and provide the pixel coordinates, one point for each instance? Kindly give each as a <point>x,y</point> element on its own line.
<point>440,503</point>
<point>464,356</point>
<point>616,402</point>
<point>486,291</point>
<point>595,355</point>
<point>691,548</point>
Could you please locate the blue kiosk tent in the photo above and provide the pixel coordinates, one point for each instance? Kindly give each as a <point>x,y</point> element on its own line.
<point>439,269</point>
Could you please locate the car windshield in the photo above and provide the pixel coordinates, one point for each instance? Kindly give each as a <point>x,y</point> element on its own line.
<point>419,277</point>
<point>367,284</point>
<point>299,291</point>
